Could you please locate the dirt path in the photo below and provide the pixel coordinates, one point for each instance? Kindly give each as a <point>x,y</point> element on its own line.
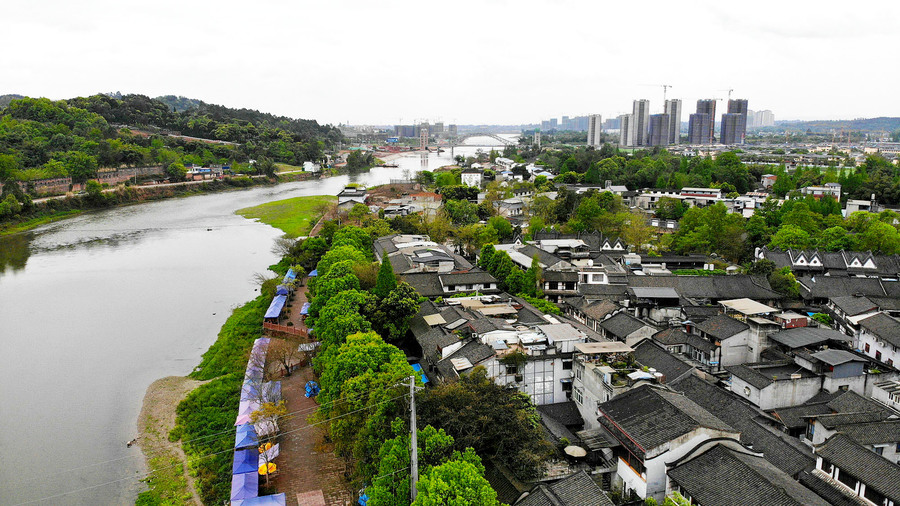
<point>157,418</point>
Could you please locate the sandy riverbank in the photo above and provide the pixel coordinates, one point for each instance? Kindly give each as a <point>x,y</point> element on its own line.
<point>165,459</point>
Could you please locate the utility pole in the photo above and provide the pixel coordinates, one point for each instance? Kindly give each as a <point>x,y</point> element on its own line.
<point>413,440</point>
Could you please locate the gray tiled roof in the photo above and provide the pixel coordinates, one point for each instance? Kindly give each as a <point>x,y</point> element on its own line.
<point>650,354</point>
<point>574,490</point>
<point>825,287</point>
<point>852,402</point>
<point>836,357</point>
<point>722,326</point>
<point>622,325</point>
<point>761,375</point>
<point>873,470</point>
<point>887,431</point>
<point>652,416</point>
<point>600,309</point>
<point>794,417</point>
<point>726,476</point>
<point>836,495</point>
<point>801,337</point>
<point>711,287</point>
<point>835,420</point>
<point>565,412</point>
<point>884,327</point>
<point>675,336</point>
<point>785,452</point>
<point>853,305</point>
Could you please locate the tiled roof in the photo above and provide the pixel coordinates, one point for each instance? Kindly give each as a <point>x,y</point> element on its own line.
<point>711,287</point>
<point>762,375</point>
<point>565,412</point>
<point>873,470</point>
<point>475,351</point>
<point>785,452</point>
<point>884,327</point>
<point>836,420</point>
<point>825,287</point>
<point>801,337</point>
<point>652,416</point>
<point>794,416</point>
<point>674,336</point>
<point>650,354</point>
<point>887,431</point>
<point>722,326</point>
<point>726,476</point>
<point>574,490</point>
<point>853,305</point>
<point>622,325</point>
<point>834,494</point>
<point>852,402</point>
<point>600,309</point>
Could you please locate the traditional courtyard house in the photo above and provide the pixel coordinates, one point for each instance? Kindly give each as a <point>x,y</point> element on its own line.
<point>676,340</point>
<point>626,328</point>
<point>730,337</point>
<point>844,463</point>
<point>774,384</point>
<point>879,337</point>
<point>655,427</point>
<point>596,380</point>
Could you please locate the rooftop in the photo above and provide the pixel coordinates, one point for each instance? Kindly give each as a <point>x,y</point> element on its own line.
<point>873,470</point>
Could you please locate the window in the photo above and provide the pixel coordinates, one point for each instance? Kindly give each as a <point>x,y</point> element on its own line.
<point>879,450</point>
<point>511,369</point>
<point>747,391</point>
<point>847,479</point>
<point>867,347</point>
<point>578,371</point>
<point>578,395</point>
<point>873,495</point>
<point>567,365</point>
<point>877,355</point>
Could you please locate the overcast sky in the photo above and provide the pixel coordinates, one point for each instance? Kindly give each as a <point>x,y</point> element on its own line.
<point>489,61</point>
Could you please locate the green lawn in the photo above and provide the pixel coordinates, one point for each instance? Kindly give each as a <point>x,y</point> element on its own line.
<point>294,216</point>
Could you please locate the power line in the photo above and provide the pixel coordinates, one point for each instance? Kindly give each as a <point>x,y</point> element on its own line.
<point>195,459</point>
<point>151,454</point>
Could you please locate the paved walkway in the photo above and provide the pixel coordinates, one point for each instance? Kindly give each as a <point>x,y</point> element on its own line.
<point>308,471</point>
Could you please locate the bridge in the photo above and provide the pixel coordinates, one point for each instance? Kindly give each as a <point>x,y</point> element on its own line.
<point>461,138</point>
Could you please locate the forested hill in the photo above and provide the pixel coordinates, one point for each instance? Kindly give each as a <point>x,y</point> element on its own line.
<point>40,138</point>
<point>6,99</point>
<point>889,125</point>
<point>179,103</point>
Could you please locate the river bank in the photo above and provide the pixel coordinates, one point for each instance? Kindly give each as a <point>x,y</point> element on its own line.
<point>171,480</point>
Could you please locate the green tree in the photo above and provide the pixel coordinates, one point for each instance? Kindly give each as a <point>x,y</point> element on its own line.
<point>390,315</point>
<point>512,435</point>
<point>790,237</point>
<point>461,212</point>
<point>836,239</point>
<point>515,282</point>
<point>455,483</point>
<point>386,280</point>
<point>176,171</point>
<point>486,257</point>
<point>532,283</point>
<point>502,226</point>
<point>784,282</point>
<point>80,166</point>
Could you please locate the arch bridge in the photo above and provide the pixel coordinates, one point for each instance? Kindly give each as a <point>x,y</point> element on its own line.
<point>462,138</point>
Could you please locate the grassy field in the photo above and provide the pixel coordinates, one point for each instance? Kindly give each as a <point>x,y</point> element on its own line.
<point>294,216</point>
<point>285,167</point>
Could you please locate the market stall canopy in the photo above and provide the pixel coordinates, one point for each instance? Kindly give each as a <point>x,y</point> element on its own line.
<point>245,461</point>
<point>276,306</point>
<point>290,276</point>
<point>281,290</point>
<point>263,500</point>
<point>244,486</point>
<point>247,407</point>
<point>418,368</point>
<point>245,436</point>
<point>249,390</point>
<point>314,273</point>
<point>305,309</point>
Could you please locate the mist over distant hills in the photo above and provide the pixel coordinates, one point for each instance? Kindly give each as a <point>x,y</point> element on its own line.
<point>888,124</point>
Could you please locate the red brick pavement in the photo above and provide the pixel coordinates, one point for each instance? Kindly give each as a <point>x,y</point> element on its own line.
<point>308,471</point>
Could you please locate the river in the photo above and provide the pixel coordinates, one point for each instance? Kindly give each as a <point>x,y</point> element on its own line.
<point>95,308</point>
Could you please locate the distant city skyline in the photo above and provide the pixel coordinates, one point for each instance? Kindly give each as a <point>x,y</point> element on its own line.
<point>366,62</point>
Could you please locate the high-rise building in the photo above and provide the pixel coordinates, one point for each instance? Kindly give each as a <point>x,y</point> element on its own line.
<point>659,130</point>
<point>595,128</point>
<point>732,124</point>
<point>554,124</point>
<point>673,109</point>
<point>437,128</point>
<point>537,139</point>
<point>625,131</point>
<point>640,122</point>
<point>760,119</point>
<point>452,130</point>
<point>545,124</point>
<point>698,128</point>
<point>581,123</point>
<point>708,107</point>
<point>739,106</point>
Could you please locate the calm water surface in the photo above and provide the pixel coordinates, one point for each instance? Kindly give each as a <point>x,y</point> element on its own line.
<point>95,308</point>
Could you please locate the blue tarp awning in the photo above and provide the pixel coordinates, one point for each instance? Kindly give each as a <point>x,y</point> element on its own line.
<point>290,276</point>
<point>250,390</point>
<point>263,500</point>
<point>244,486</point>
<point>276,306</point>
<point>305,309</point>
<point>281,290</point>
<point>245,437</point>
<point>418,368</point>
<point>314,273</point>
<point>245,461</point>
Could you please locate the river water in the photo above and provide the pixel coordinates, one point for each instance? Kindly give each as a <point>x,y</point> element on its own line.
<point>95,308</point>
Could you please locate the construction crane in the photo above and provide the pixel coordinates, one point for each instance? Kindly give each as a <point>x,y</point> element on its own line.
<point>665,88</point>
<point>729,90</point>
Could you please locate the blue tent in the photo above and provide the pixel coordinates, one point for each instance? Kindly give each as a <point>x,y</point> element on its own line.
<point>244,486</point>
<point>281,290</point>
<point>418,368</point>
<point>290,276</point>
<point>305,309</point>
<point>245,436</point>
<point>314,273</point>
<point>245,461</point>
<point>312,389</point>
<point>250,390</point>
<point>263,500</point>
<point>276,306</point>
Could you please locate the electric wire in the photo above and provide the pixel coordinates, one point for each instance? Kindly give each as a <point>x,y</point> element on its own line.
<point>201,457</point>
